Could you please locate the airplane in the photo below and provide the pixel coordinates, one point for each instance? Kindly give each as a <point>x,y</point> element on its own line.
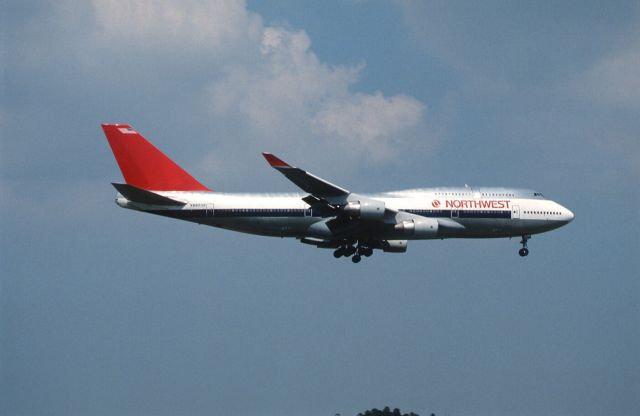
<point>326,215</point>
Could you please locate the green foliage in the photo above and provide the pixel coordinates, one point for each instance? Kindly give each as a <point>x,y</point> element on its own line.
<point>387,412</point>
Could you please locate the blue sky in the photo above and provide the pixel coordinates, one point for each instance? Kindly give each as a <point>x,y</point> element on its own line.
<point>105,311</point>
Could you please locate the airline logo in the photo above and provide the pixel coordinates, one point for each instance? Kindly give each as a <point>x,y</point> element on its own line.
<point>482,204</point>
<point>472,203</point>
<point>127,130</point>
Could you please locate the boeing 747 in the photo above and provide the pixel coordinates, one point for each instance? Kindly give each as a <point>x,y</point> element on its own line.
<point>326,215</point>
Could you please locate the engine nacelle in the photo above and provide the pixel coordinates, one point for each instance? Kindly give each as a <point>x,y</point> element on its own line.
<point>369,209</point>
<point>423,228</point>
<point>394,246</point>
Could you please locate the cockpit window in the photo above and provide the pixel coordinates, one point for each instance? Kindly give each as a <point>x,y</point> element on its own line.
<point>538,194</point>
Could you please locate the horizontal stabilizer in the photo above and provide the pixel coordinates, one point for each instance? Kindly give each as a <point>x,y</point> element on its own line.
<point>142,196</point>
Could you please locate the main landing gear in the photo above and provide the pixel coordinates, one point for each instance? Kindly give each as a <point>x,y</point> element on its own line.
<point>356,253</point>
<point>524,251</point>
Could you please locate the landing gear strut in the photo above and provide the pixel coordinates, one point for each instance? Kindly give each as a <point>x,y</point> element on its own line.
<point>364,250</point>
<point>524,251</point>
<point>347,249</point>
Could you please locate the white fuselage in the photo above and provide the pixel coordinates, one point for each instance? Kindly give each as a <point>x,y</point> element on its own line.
<point>456,213</point>
<point>327,215</point>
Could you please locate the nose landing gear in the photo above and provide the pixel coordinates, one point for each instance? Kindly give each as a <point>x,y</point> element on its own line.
<point>524,251</point>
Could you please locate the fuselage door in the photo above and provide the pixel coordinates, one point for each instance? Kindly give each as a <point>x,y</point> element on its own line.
<point>209,210</point>
<point>515,212</point>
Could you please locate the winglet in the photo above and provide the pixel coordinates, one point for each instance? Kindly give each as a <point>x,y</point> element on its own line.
<point>275,161</point>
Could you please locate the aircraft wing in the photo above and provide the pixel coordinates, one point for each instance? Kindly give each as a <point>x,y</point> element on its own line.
<point>317,187</point>
<point>344,205</point>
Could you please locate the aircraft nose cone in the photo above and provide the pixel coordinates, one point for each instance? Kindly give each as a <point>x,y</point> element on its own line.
<point>568,215</point>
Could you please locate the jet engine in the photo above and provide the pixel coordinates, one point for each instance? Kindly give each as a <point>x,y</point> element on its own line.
<point>394,246</point>
<point>423,228</point>
<point>366,210</point>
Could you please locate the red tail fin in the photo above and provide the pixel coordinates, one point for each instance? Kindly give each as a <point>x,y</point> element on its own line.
<point>143,165</point>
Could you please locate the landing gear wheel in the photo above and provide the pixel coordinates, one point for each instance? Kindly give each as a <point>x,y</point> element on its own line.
<point>524,251</point>
<point>338,253</point>
<point>356,258</point>
<point>349,251</point>
<point>364,249</point>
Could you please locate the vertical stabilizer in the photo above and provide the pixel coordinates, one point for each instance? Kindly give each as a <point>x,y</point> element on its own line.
<point>143,165</point>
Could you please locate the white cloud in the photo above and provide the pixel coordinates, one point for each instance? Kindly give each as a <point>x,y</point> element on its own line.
<point>615,79</point>
<point>214,74</point>
<point>170,24</point>
<point>369,120</point>
<point>611,87</point>
<point>267,78</point>
<point>285,80</point>
<point>290,94</point>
